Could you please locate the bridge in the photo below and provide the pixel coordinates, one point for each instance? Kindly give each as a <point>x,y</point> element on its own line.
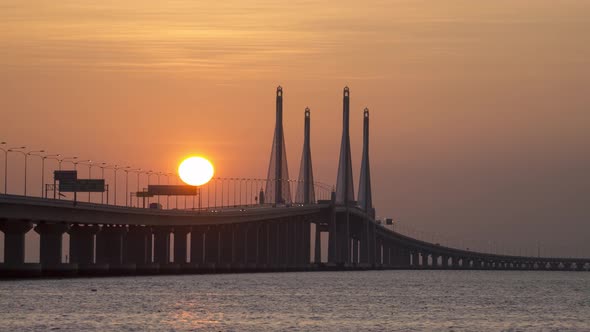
<point>275,232</point>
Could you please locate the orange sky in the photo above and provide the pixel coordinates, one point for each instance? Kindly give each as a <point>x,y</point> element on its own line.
<point>480,109</point>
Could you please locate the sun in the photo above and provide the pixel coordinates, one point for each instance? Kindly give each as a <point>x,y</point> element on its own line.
<point>195,171</point>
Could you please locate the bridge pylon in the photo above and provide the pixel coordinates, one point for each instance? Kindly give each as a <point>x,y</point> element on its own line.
<point>344,184</point>
<point>305,190</point>
<point>278,190</point>
<point>365,199</point>
<point>339,244</point>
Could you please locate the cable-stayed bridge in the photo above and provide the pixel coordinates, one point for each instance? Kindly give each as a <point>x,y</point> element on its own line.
<point>263,227</point>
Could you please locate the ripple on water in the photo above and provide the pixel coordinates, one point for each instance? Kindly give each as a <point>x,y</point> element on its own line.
<point>330,301</point>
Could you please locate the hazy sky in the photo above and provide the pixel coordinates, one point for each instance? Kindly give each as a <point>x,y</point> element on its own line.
<point>480,109</point>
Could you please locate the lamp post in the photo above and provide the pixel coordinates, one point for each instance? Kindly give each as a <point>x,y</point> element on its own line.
<point>168,196</point>
<point>37,154</point>
<point>127,170</point>
<point>115,169</point>
<point>138,186</point>
<point>102,167</point>
<point>19,150</point>
<point>67,160</point>
<point>83,162</point>
<point>49,156</point>
<point>5,167</point>
<point>159,173</point>
<point>89,163</point>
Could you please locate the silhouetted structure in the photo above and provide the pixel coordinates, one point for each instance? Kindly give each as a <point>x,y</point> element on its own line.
<point>344,185</point>
<point>305,190</point>
<point>278,189</point>
<point>365,199</point>
<point>117,240</point>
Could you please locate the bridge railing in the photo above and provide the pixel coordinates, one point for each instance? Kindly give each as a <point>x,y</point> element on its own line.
<point>219,193</point>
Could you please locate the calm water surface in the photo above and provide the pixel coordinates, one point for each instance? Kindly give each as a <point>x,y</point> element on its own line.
<point>327,301</point>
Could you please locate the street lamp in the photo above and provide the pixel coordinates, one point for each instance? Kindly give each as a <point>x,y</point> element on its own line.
<point>149,176</point>
<point>37,154</point>
<point>115,169</point>
<point>127,170</point>
<point>19,150</point>
<point>83,162</point>
<point>5,167</point>
<point>67,160</point>
<point>89,163</point>
<point>102,167</point>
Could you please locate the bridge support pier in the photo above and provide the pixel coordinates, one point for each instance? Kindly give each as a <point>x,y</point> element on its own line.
<point>181,244</point>
<point>82,241</point>
<point>212,251</point>
<point>239,247</point>
<point>317,252</point>
<point>263,245</point>
<point>252,246</point>
<point>14,240</point>
<point>50,245</point>
<point>14,250</point>
<point>110,245</point>
<point>364,244</point>
<point>355,251</point>
<point>162,249</point>
<point>415,259</point>
<point>282,245</point>
<point>378,251</point>
<point>306,259</point>
<point>386,254</point>
<point>139,249</point>
<point>197,251</point>
<point>226,247</point>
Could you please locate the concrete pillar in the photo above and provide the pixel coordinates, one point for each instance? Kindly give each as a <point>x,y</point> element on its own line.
<point>239,247</point>
<point>386,254</point>
<point>435,258</point>
<point>181,244</point>
<point>162,244</point>
<point>251,243</point>
<point>355,251</point>
<point>317,254</point>
<point>425,259</point>
<point>406,260</point>
<point>282,245</point>
<point>137,245</point>
<point>14,240</point>
<point>273,244</point>
<point>82,243</point>
<point>226,244</point>
<point>291,240</point>
<point>378,250</point>
<point>343,248</point>
<point>212,245</point>
<point>197,251</point>
<point>415,259</point>
<point>306,259</point>
<point>333,243</point>
<point>299,243</point>
<point>364,243</point>
<point>263,242</point>
<point>50,242</point>
<point>110,245</point>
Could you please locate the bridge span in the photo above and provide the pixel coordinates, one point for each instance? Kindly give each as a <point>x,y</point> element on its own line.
<point>277,235</point>
<point>112,240</point>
